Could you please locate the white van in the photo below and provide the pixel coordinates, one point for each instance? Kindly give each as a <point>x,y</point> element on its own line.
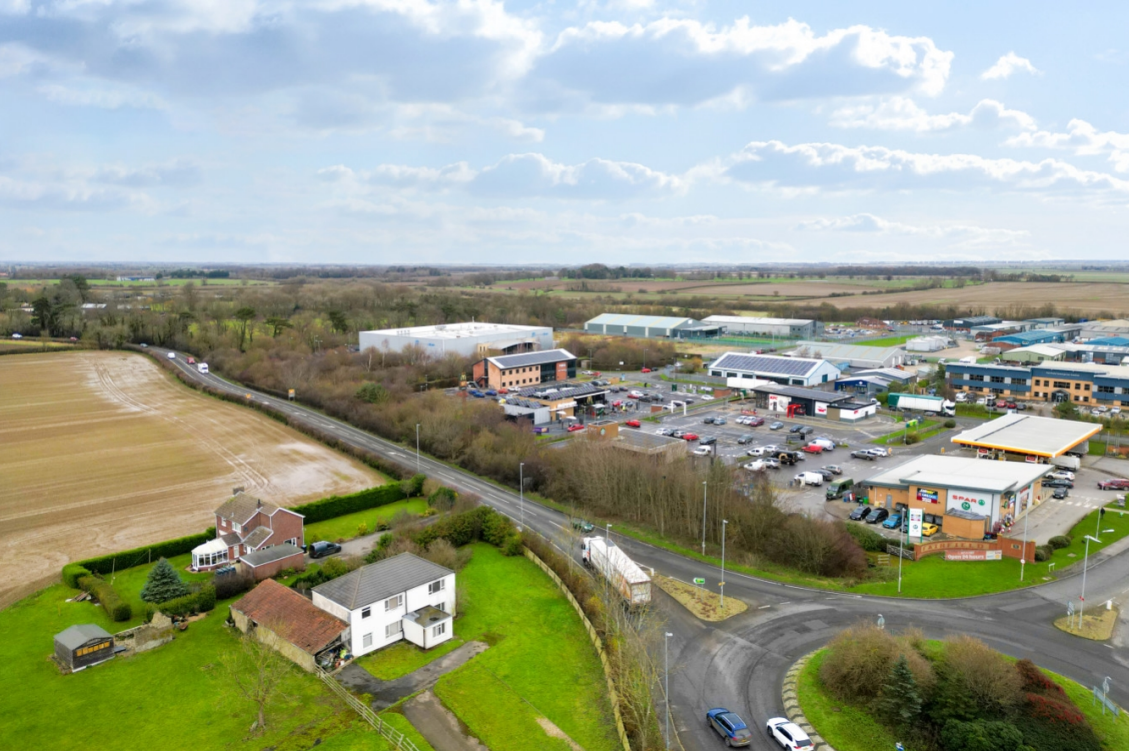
<point>824,443</point>
<point>809,478</point>
<point>202,367</point>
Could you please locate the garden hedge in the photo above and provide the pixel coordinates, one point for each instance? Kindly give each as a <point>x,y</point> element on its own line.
<point>72,572</point>
<point>107,564</point>
<point>197,602</point>
<point>1059,541</point>
<point>339,505</point>
<point>115,607</point>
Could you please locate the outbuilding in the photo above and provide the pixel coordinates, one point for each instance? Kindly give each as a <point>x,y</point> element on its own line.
<point>289,623</point>
<point>927,344</point>
<point>268,562</point>
<point>82,646</point>
<point>796,402</point>
<point>854,355</point>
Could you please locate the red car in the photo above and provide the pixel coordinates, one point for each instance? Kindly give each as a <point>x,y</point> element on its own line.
<point>191,360</point>
<point>1119,484</point>
<point>756,422</point>
<point>689,436</point>
<point>633,424</point>
<point>574,428</point>
<point>1001,404</point>
<point>645,370</point>
<point>811,448</point>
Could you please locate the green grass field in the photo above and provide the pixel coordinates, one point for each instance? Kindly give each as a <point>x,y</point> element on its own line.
<point>540,661</point>
<point>896,437</point>
<point>346,527</point>
<point>402,658</point>
<point>887,341</point>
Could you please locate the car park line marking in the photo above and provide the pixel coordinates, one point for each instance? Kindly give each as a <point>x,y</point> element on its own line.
<point>763,607</point>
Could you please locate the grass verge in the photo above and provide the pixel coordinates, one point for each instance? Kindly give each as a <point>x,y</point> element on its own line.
<point>844,727</point>
<point>347,527</point>
<point>402,658</point>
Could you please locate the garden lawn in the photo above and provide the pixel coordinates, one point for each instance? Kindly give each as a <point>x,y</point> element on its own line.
<point>540,660</point>
<point>403,657</point>
<point>843,726</point>
<point>173,696</point>
<point>129,582</point>
<point>346,527</point>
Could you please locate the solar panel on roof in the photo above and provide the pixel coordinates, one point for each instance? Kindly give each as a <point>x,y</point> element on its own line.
<point>533,358</point>
<point>761,364</point>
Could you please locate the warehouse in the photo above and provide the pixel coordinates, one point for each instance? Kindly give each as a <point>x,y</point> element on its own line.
<point>791,371</point>
<point>650,327</point>
<point>1028,438</point>
<point>1036,353</point>
<point>854,355</point>
<point>467,339</point>
<point>785,328</point>
<point>1045,323</point>
<point>795,402</point>
<point>965,497</point>
<point>1027,338</point>
<point>528,369</point>
<point>927,344</point>
<point>964,324</point>
<point>1100,329</point>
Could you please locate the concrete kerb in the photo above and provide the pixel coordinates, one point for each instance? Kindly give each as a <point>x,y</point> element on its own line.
<point>791,702</point>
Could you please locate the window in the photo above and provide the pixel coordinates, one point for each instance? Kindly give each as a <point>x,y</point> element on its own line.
<point>974,377</point>
<point>1061,384</point>
<point>366,612</point>
<point>236,527</point>
<point>437,586</point>
<point>293,541</point>
<point>392,629</point>
<point>439,630</point>
<point>997,379</point>
<point>1085,387</point>
<point>366,641</point>
<point>1038,382</point>
<point>392,603</point>
<point>1019,381</point>
<point>1105,389</point>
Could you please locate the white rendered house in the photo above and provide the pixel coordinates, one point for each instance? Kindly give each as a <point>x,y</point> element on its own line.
<point>403,597</point>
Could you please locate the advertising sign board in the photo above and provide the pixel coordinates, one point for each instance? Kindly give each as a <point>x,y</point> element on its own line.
<point>915,522</point>
<point>974,555</point>
<point>927,496</point>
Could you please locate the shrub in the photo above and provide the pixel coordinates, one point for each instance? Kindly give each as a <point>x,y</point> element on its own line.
<point>233,583</point>
<point>981,735</point>
<point>1059,542</point>
<point>986,675</point>
<point>1048,551</point>
<point>413,486</point>
<point>362,529</point>
<point>107,564</point>
<point>163,583</point>
<point>867,538</point>
<point>339,505</point>
<point>950,423</point>
<point>72,572</point>
<point>1035,680</point>
<point>444,553</point>
<point>443,498</point>
<point>115,607</point>
<point>512,545</point>
<point>191,604</point>
<point>1046,735</point>
<point>1041,554</point>
<point>912,438</point>
<point>859,661</point>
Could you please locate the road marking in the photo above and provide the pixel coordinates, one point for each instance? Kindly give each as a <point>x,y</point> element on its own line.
<point>762,607</point>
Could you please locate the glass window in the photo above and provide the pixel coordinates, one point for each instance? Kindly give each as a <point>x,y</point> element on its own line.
<point>392,603</point>
<point>366,612</point>
<point>392,629</point>
<point>439,630</point>
<point>366,641</point>
<point>437,586</point>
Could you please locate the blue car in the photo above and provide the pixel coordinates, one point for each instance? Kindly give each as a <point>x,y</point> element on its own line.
<point>477,394</point>
<point>729,726</point>
<point>894,522</point>
<point>491,392</point>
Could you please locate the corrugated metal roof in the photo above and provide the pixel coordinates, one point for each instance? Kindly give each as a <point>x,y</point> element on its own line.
<point>834,351</point>
<point>75,636</point>
<point>379,581</point>
<point>789,366</point>
<point>623,319</point>
<point>961,472</point>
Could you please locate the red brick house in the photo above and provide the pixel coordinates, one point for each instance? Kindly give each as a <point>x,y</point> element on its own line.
<point>246,525</point>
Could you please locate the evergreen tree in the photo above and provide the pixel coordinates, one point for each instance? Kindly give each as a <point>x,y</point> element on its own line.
<point>900,701</point>
<point>163,584</point>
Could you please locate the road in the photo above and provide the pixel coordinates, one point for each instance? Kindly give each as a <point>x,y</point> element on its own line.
<point>740,663</point>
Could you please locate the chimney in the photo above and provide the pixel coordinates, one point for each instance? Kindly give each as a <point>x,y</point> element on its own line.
<point>258,503</point>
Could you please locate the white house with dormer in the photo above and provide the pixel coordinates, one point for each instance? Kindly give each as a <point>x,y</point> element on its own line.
<point>403,597</point>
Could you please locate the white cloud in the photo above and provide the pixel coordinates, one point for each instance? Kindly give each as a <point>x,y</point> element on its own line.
<point>869,223</point>
<point>1084,139</point>
<point>103,97</point>
<point>1007,65</point>
<point>16,59</point>
<point>811,167</point>
<point>900,113</point>
<point>175,173</point>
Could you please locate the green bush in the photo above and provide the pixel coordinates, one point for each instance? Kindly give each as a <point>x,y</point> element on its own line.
<point>868,539</point>
<point>1041,554</point>
<point>1059,542</point>
<point>512,545</point>
<point>981,735</point>
<point>115,607</point>
<point>912,438</point>
<point>339,505</point>
<point>108,564</point>
<point>480,523</point>
<point>72,572</point>
<point>413,486</point>
<point>950,423</point>
<point>197,602</point>
<point>163,583</point>
<point>443,498</point>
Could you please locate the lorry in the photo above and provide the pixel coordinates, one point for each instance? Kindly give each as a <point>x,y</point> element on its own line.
<point>624,574</point>
<point>202,367</point>
<point>936,405</point>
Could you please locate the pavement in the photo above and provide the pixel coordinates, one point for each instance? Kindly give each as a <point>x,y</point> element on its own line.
<point>386,693</point>
<point>438,725</point>
<point>740,663</point>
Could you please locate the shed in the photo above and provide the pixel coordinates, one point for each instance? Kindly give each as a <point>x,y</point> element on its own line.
<point>285,620</point>
<point>83,645</point>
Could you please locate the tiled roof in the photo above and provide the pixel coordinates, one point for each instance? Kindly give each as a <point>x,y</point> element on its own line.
<point>291,616</point>
<point>230,539</point>
<point>257,537</point>
<point>241,507</point>
<point>271,554</point>
<point>379,581</point>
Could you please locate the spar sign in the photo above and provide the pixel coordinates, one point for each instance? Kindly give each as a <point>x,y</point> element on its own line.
<point>968,501</point>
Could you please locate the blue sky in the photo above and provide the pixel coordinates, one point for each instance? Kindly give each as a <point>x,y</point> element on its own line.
<point>626,131</point>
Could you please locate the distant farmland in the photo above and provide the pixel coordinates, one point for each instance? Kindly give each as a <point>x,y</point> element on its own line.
<point>1083,297</point>
<point>103,451</point>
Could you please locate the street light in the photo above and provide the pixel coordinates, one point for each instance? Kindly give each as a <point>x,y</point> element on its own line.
<point>521,491</point>
<point>1085,561</point>
<point>723,523</point>
<point>666,681</point>
<point>417,447</point>
<point>644,357</point>
<point>607,532</point>
<point>1023,555</point>
<point>704,516</point>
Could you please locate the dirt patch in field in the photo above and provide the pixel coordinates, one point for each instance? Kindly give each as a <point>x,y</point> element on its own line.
<point>103,451</point>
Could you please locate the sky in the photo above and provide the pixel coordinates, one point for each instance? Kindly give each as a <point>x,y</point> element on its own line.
<point>559,133</point>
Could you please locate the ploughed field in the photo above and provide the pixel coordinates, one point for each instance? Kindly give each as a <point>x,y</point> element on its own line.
<point>104,451</point>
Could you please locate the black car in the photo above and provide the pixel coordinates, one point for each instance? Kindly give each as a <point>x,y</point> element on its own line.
<point>708,421</point>
<point>747,438</point>
<point>322,549</point>
<point>707,440</point>
<point>859,513</point>
<point>795,428</point>
<point>877,516</point>
<point>806,430</point>
<point>1058,482</point>
<point>1060,493</point>
<point>828,475</point>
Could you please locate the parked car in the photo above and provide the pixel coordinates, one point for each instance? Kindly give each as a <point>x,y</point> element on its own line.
<point>812,448</point>
<point>707,421</point>
<point>826,443</point>
<point>666,431</point>
<point>806,430</point>
<point>864,454</point>
<point>1119,483</point>
<point>1061,474</point>
<point>574,428</point>
<point>1060,493</point>
<point>879,451</point>
<point>827,474</point>
<point>928,529</point>
<point>859,513</point>
<point>834,469</point>
<point>707,440</point>
<point>777,425</point>
<point>729,726</point>
<point>757,465</point>
<point>795,428</point>
<point>322,549</point>
<point>491,392</point>
<point>839,488</point>
<point>1057,482</point>
<point>878,515</point>
<point>746,438</point>
<point>583,526</point>
<point>771,463</point>
<point>633,424</point>
<point>719,421</point>
<point>689,436</point>
<point>702,451</point>
<point>645,370</point>
<point>809,478</point>
<point>894,522</point>
<point>755,422</point>
<point>788,734</point>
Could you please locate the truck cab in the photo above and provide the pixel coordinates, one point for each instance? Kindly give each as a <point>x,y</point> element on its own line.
<point>837,488</point>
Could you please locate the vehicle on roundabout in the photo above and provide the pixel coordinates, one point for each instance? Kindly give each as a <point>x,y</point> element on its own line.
<point>788,734</point>
<point>729,726</point>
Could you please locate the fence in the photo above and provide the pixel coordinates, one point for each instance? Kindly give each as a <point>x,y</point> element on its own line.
<point>597,642</point>
<point>397,738</point>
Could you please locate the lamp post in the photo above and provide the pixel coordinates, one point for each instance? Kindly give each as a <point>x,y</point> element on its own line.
<point>1023,556</point>
<point>704,490</point>
<point>644,357</point>
<point>902,546</point>
<point>607,532</point>
<point>723,523</point>
<point>417,447</point>
<point>521,491</point>
<point>1085,561</point>
<point>666,681</point>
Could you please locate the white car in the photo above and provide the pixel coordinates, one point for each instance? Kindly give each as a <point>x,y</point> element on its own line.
<point>962,397</point>
<point>788,734</point>
<point>701,451</point>
<point>825,443</point>
<point>758,466</point>
<point>17,336</point>
<point>1061,474</point>
<point>1101,409</point>
<point>809,478</point>
<point>1115,410</point>
<point>635,394</point>
<point>879,450</point>
<point>707,397</point>
<point>981,402</point>
<point>172,355</point>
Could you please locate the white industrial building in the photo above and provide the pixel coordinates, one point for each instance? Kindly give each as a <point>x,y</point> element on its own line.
<point>927,344</point>
<point>787,328</point>
<point>468,339</point>
<point>790,371</point>
<point>854,355</point>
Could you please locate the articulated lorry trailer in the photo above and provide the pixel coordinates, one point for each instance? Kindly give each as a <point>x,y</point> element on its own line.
<point>935,405</point>
<point>621,572</point>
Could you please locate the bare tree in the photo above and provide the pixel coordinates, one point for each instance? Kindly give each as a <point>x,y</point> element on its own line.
<point>257,671</point>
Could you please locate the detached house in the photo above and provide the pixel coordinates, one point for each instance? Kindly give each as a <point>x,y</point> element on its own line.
<point>403,597</point>
<point>264,537</point>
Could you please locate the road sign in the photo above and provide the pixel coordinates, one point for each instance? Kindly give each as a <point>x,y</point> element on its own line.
<point>699,581</point>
